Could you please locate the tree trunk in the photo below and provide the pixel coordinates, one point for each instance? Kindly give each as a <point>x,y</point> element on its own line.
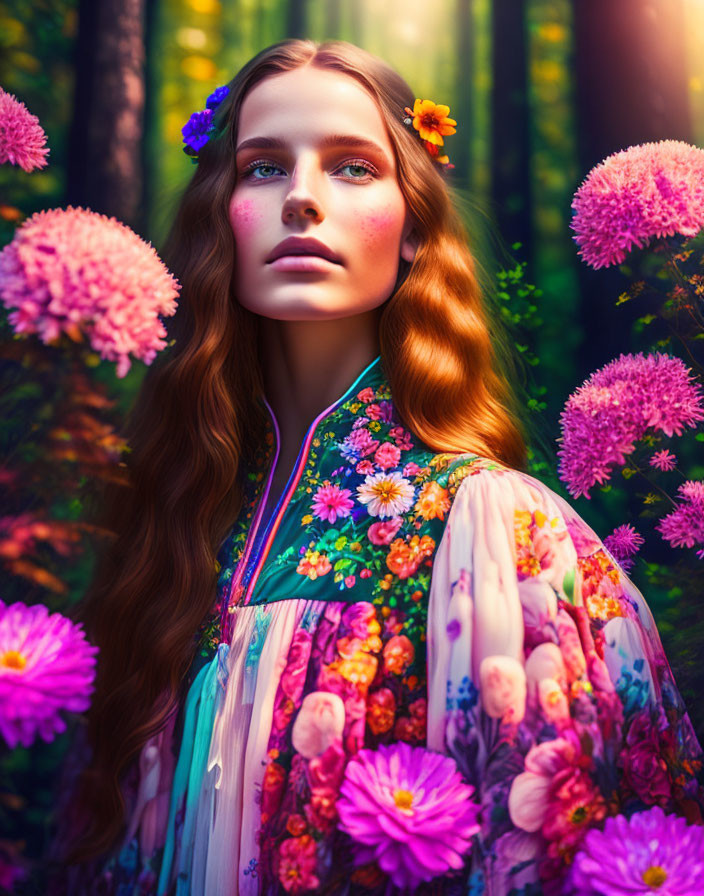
<point>631,88</point>
<point>105,170</point>
<point>510,138</point>
<point>296,19</point>
<point>462,112</point>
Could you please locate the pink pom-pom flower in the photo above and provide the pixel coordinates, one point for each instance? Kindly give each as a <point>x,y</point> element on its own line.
<point>408,809</point>
<point>76,271</point>
<point>615,407</point>
<point>645,191</point>
<point>46,665</point>
<point>650,852</point>
<point>22,138</point>
<point>684,526</point>
<point>623,543</point>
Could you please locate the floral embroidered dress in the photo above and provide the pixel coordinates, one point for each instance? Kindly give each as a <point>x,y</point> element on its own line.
<point>398,595</point>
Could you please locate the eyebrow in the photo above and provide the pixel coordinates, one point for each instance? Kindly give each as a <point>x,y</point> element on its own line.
<point>329,141</point>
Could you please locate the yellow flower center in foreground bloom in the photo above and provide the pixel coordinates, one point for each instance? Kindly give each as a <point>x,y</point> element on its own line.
<point>655,876</point>
<point>403,800</point>
<point>13,659</point>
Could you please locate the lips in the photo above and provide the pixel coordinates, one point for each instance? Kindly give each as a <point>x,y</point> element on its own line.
<point>296,245</point>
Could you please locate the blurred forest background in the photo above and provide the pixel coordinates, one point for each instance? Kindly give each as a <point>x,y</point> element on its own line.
<point>542,90</point>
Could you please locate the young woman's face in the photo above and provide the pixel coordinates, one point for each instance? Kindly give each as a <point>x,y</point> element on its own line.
<point>298,179</point>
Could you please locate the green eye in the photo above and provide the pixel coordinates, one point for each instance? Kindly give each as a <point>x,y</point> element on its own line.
<point>364,167</point>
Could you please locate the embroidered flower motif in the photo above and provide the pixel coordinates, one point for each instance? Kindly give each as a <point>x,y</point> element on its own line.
<point>433,501</point>
<point>359,443</point>
<point>503,688</point>
<point>331,502</point>
<point>387,455</point>
<point>296,864</point>
<point>398,654</point>
<point>408,809</point>
<point>381,711</point>
<point>556,795</point>
<point>405,557</point>
<point>386,494</point>
<point>313,564</point>
<point>650,852</point>
<point>319,722</point>
<point>384,531</point>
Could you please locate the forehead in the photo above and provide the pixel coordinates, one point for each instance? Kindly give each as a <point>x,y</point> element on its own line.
<point>308,102</point>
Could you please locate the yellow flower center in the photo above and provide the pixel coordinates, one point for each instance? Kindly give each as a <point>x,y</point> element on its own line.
<point>403,800</point>
<point>13,659</point>
<point>655,876</point>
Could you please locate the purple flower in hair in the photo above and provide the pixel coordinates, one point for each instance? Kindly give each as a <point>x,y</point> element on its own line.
<point>197,130</point>
<point>216,97</point>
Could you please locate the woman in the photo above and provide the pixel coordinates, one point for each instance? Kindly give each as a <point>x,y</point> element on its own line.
<point>391,577</point>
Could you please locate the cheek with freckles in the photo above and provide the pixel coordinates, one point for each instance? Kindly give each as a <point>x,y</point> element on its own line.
<point>375,227</point>
<point>245,218</point>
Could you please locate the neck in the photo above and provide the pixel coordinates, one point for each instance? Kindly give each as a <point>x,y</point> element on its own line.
<point>307,365</point>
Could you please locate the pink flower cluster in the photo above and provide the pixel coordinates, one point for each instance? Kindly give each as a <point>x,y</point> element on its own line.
<point>615,407</point>
<point>76,271</point>
<point>645,191</point>
<point>46,665</point>
<point>22,139</point>
<point>623,543</point>
<point>684,526</point>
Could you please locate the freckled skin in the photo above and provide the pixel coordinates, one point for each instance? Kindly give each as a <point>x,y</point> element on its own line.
<point>243,214</point>
<point>372,225</point>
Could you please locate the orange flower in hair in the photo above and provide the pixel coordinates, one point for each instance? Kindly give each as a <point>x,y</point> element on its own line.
<point>431,121</point>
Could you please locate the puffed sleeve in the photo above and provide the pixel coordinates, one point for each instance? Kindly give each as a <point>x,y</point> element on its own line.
<point>547,683</point>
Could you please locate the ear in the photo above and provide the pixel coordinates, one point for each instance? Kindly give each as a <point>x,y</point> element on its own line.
<point>409,243</point>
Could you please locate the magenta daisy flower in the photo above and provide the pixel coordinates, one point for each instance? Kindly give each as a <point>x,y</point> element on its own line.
<point>684,526</point>
<point>46,665</point>
<point>623,543</point>
<point>649,853</point>
<point>645,191</point>
<point>75,271</point>
<point>663,460</point>
<point>408,809</point>
<point>331,502</point>
<point>616,406</point>
<point>22,138</point>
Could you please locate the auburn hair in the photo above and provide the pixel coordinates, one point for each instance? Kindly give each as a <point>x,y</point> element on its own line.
<point>196,423</point>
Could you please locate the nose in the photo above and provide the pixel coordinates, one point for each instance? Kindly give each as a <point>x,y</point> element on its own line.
<point>303,199</point>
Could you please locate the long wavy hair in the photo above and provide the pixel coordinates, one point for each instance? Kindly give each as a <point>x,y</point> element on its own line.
<point>196,422</point>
